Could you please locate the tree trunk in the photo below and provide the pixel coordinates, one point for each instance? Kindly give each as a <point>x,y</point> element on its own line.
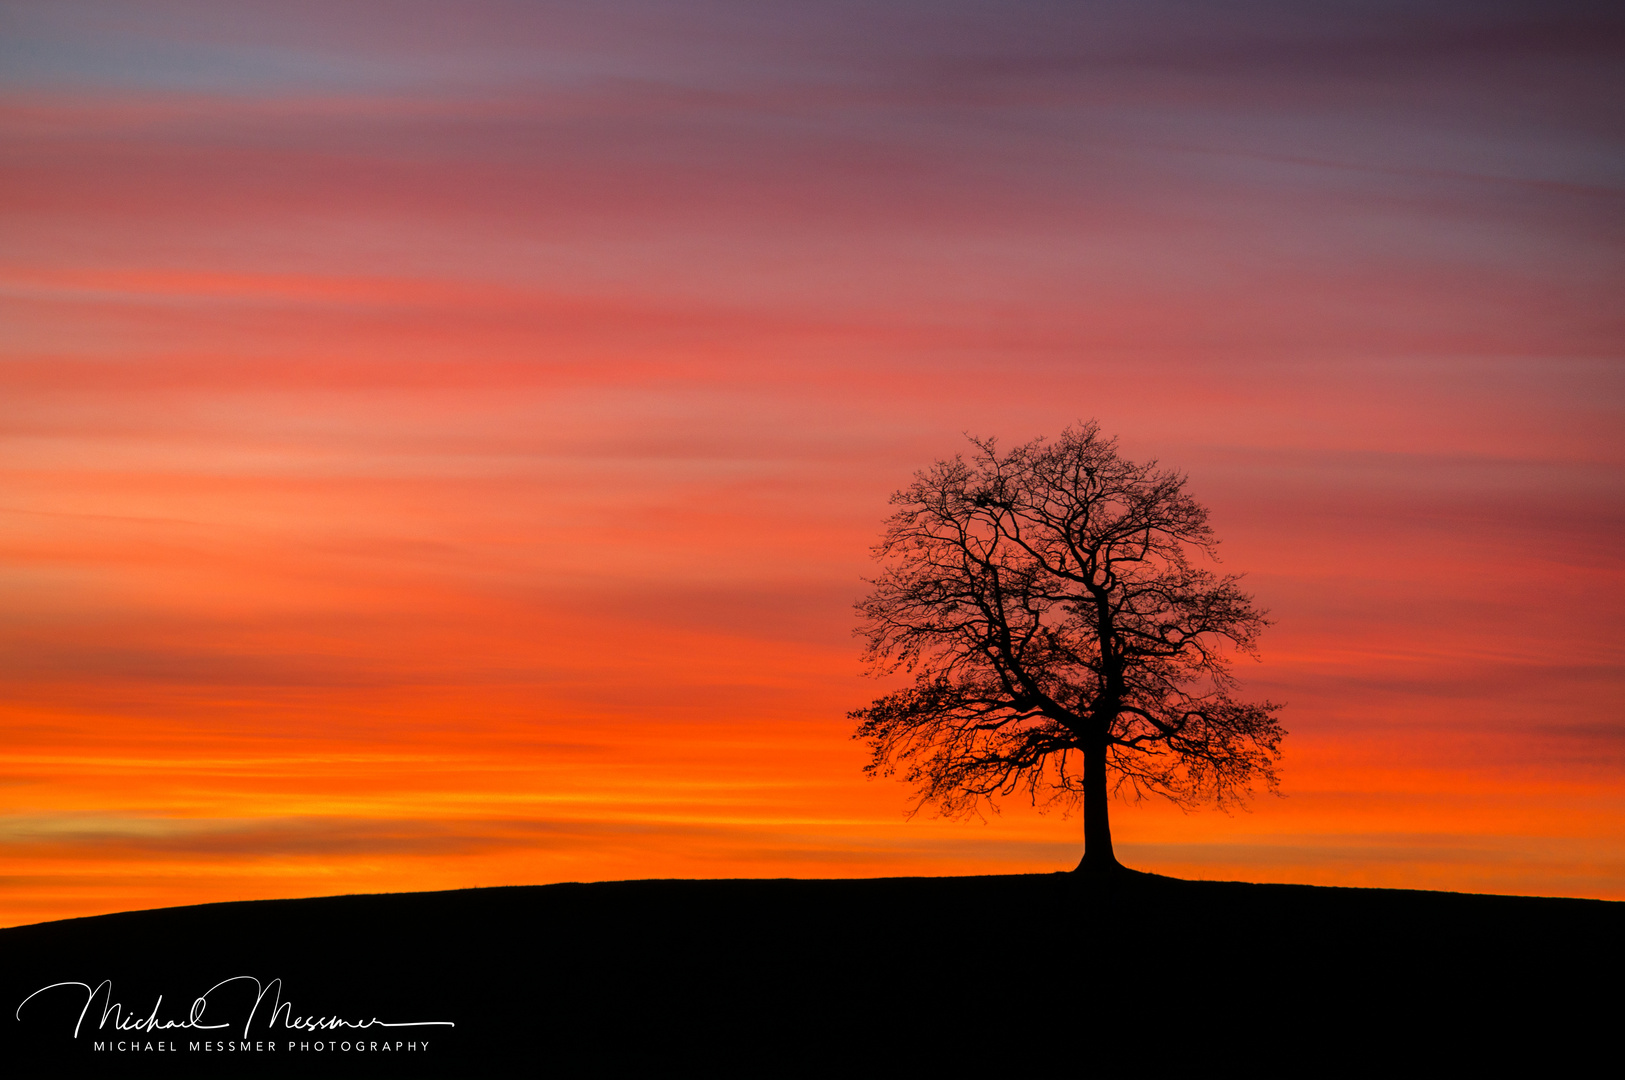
<point>1098,856</point>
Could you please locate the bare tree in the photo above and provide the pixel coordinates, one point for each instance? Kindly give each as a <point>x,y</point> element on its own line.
<point>1049,603</point>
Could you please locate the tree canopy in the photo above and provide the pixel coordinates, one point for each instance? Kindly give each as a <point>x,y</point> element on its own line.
<point>1066,638</point>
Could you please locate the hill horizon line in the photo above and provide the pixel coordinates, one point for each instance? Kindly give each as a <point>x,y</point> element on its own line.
<point>1127,875</point>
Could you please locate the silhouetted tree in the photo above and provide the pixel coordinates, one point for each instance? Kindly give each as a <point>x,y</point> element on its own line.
<point>1049,604</point>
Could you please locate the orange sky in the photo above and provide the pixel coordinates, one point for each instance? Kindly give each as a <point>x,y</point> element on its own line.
<point>446,454</point>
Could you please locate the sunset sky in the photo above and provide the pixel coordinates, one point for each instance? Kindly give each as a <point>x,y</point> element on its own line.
<point>441,444</point>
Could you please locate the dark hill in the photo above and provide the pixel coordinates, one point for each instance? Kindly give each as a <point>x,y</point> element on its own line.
<point>893,975</point>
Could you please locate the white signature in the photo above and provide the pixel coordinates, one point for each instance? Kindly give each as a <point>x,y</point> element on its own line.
<point>115,1015</point>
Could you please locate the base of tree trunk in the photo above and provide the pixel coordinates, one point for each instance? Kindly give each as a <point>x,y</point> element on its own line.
<point>1100,867</point>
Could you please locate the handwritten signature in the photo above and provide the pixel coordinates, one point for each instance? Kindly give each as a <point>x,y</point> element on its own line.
<point>114,1014</point>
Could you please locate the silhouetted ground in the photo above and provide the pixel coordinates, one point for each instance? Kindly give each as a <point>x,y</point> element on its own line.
<point>899,976</point>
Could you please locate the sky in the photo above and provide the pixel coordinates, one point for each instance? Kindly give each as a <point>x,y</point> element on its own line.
<point>441,445</point>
